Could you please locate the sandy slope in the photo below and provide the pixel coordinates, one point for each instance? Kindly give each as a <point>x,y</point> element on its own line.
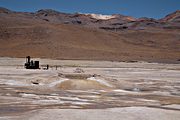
<point>22,36</point>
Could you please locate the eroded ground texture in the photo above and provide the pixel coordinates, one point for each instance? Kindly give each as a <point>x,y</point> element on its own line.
<point>92,90</point>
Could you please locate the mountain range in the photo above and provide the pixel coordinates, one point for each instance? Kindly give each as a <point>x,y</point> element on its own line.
<point>51,34</point>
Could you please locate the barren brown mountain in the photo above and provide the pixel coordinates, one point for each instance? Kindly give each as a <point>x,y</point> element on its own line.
<point>50,34</point>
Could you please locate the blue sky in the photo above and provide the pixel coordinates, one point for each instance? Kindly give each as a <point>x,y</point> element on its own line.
<point>135,8</point>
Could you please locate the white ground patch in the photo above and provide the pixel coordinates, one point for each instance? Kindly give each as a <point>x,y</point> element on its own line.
<point>175,106</point>
<point>49,99</point>
<point>123,91</point>
<point>74,99</point>
<point>103,82</point>
<point>30,96</point>
<point>128,113</point>
<point>52,102</point>
<point>57,82</point>
<point>13,82</point>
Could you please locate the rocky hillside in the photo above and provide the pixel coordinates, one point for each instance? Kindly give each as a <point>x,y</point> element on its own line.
<point>52,34</point>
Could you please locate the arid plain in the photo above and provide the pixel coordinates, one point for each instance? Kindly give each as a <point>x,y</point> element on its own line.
<point>74,89</point>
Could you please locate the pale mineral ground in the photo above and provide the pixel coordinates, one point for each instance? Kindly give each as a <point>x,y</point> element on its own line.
<point>91,90</point>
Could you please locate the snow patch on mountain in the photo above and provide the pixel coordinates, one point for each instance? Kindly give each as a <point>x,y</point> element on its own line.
<point>101,17</point>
